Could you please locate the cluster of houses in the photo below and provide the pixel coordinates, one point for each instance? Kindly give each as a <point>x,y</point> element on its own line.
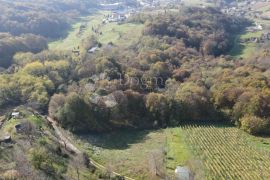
<point>257,27</point>
<point>114,17</point>
<point>246,8</point>
<point>117,16</point>
<point>262,39</point>
<point>158,3</point>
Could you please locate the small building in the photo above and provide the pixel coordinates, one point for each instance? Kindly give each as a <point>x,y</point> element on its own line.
<point>92,50</point>
<point>116,17</point>
<point>6,139</point>
<point>18,128</point>
<point>182,173</point>
<point>15,115</point>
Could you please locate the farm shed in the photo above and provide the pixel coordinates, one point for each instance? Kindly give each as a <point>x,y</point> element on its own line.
<point>93,49</point>
<point>6,139</point>
<point>182,173</point>
<point>18,127</point>
<point>15,114</point>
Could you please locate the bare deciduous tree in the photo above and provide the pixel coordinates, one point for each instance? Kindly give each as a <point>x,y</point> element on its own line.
<point>157,163</point>
<point>29,130</point>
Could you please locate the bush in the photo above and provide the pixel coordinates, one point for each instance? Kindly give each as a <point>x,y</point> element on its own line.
<point>255,125</point>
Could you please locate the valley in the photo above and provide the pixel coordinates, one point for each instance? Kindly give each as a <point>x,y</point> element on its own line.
<point>136,90</point>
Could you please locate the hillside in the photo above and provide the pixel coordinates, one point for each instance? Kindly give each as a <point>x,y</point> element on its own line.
<point>134,90</point>
<point>33,150</point>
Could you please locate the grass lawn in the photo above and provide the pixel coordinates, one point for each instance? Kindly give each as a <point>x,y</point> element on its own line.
<point>119,34</point>
<point>251,34</point>
<point>177,150</point>
<point>197,2</point>
<point>130,152</point>
<point>74,38</point>
<point>245,50</point>
<point>211,151</point>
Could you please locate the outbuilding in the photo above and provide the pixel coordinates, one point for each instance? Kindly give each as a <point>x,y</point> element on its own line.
<point>182,173</point>
<point>6,139</point>
<point>15,115</point>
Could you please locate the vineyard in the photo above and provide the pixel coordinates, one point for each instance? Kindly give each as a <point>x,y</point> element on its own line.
<point>226,153</point>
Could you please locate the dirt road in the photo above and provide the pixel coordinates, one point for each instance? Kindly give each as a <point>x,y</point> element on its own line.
<point>71,148</point>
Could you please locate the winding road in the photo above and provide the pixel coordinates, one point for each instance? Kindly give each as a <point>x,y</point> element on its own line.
<point>65,142</point>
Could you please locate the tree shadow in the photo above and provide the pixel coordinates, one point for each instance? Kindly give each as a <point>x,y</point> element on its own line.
<point>70,28</point>
<point>238,47</point>
<point>121,139</point>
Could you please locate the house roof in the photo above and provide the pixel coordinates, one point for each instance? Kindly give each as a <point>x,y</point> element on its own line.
<point>182,173</point>
<point>180,169</point>
<point>15,114</point>
<point>93,49</point>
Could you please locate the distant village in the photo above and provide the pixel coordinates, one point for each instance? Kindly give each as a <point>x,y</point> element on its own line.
<point>119,12</point>
<point>249,9</point>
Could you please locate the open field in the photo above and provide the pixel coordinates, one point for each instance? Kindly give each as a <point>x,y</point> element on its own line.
<point>211,152</point>
<point>119,34</point>
<point>228,153</point>
<point>177,152</point>
<point>197,3</point>
<point>245,50</point>
<point>131,152</point>
<point>74,36</point>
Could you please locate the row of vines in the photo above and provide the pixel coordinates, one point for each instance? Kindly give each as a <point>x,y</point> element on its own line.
<point>226,153</point>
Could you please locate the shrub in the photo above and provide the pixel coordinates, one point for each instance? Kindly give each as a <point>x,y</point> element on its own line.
<point>255,125</point>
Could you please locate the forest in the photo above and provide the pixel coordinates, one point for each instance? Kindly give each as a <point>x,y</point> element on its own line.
<point>178,72</point>
<point>28,26</point>
<point>41,17</point>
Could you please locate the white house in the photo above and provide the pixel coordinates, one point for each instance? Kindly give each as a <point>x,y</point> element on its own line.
<point>15,115</point>
<point>182,173</point>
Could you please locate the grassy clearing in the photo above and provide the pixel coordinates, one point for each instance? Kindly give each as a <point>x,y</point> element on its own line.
<point>129,152</point>
<point>119,34</point>
<point>177,150</point>
<point>197,3</point>
<point>245,50</point>
<point>8,127</point>
<point>125,152</point>
<point>74,36</point>
<point>211,151</point>
<point>251,34</point>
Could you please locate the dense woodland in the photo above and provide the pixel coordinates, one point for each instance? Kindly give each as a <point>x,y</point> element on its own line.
<point>178,72</point>
<point>10,45</point>
<point>26,26</point>
<point>41,17</point>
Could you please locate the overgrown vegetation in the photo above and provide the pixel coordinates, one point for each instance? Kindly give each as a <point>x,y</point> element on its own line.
<point>41,17</point>
<point>35,152</point>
